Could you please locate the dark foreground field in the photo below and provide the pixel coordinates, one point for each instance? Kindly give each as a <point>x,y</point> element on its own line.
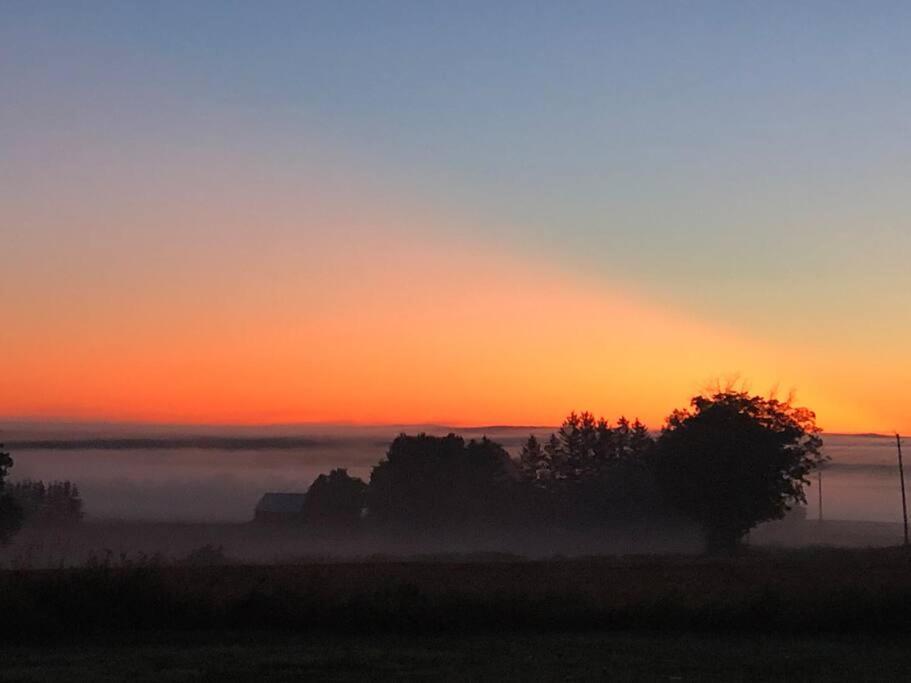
<point>620,656</point>
<point>800,591</point>
<point>813,614</point>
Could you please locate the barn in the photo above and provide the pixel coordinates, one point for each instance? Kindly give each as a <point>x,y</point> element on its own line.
<point>277,508</point>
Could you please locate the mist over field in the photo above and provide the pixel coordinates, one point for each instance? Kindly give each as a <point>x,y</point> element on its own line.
<point>217,474</point>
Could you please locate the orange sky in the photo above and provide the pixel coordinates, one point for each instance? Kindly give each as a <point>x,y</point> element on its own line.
<point>385,329</point>
<point>339,211</point>
<point>235,296</point>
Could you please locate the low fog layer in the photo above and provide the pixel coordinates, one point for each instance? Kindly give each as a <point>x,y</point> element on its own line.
<point>217,474</point>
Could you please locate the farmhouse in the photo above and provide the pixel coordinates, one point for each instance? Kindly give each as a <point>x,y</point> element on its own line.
<point>279,507</point>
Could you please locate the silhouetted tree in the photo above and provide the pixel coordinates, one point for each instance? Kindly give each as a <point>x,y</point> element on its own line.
<point>10,512</point>
<point>53,504</point>
<point>733,460</point>
<point>590,471</point>
<point>335,499</point>
<point>533,464</point>
<point>636,441</point>
<point>553,456</point>
<point>429,482</point>
<point>584,447</point>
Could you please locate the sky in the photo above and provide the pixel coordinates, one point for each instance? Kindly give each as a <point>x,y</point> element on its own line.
<point>467,213</point>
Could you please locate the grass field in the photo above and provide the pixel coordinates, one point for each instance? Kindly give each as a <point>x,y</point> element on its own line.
<point>802,591</point>
<point>497,657</point>
<point>811,614</point>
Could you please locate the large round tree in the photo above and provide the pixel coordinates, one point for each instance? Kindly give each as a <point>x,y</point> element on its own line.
<point>733,460</point>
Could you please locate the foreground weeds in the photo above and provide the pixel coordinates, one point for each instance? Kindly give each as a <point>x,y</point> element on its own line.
<point>831,591</point>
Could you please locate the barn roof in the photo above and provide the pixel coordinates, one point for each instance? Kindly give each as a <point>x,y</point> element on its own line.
<point>281,502</point>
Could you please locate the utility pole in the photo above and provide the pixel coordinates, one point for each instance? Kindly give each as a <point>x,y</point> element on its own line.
<point>901,476</point>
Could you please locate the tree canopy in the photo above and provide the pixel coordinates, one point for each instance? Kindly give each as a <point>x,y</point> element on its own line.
<point>589,471</point>
<point>733,460</point>
<point>335,499</point>
<point>431,482</point>
<point>728,462</point>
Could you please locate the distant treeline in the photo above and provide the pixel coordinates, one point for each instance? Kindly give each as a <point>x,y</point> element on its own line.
<point>34,502</point>
<point>54,503</point>
<point>728,462</point>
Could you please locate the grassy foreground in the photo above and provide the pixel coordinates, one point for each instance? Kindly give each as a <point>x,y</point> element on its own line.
<point>808,591</point>
<point>814,614</point>
<point>594,656</point>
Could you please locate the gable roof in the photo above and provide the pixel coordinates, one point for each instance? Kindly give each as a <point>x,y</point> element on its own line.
<point>281,502</point>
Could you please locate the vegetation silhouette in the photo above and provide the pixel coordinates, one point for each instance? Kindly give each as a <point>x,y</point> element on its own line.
<point>837,591</point>
<point>56,503</point>
<point>733,460</point>
<point>10,511</point>
<point>430,483</point>
<point>34,503</point>
<point>589,472</point>
<point>335,500</point>
<point>727,463</point>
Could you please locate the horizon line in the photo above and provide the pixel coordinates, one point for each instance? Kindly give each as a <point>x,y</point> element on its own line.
<point>62,422</point>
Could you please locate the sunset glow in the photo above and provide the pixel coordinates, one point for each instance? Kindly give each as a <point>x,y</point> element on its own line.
<point>184,243</point>
<point>391,331</point>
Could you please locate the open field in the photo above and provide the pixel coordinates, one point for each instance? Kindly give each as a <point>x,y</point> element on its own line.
<point>772,613</point>
<point>621,656</point>
<point>810,591</point>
